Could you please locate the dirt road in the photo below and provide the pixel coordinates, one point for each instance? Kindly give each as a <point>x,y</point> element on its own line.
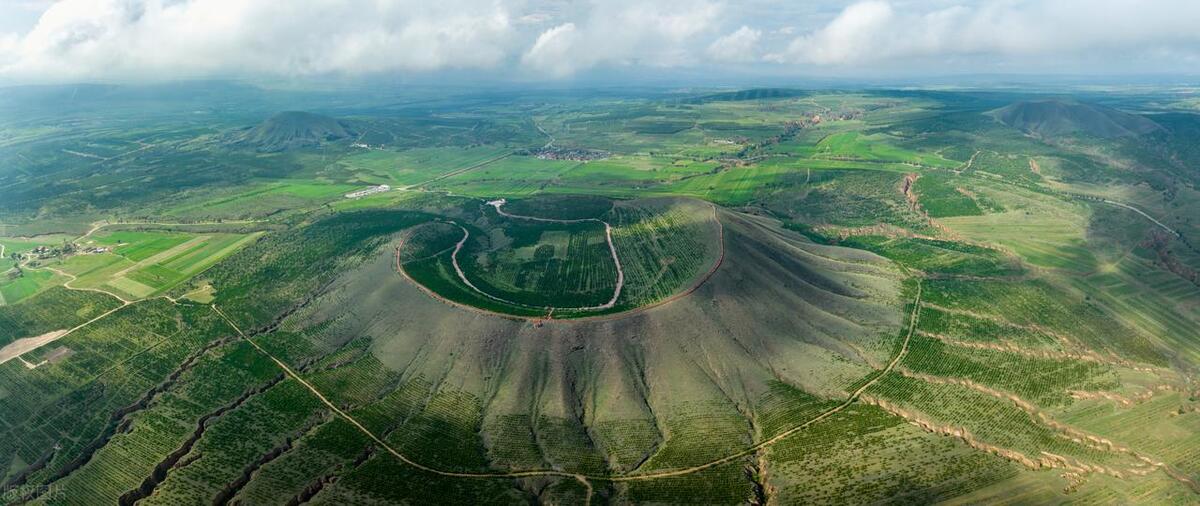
<point>456,172</point>
<point>1139,211</point>
<point>624,314</point>
<point>582,477</point>
<point>462,276</point>
<point>612,248</point>
<point>25,345</point>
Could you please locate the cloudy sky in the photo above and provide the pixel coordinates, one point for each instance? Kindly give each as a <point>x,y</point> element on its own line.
<point>131,40</point>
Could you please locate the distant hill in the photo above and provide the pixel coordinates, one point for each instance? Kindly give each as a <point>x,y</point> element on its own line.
<point>1052,118</point>
<point>293,129</point>
<point>741,95</point>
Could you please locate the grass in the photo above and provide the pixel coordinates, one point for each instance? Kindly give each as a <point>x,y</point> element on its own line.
<point>874,148</point>
<point>938,256</point>
<point>1044,230</point>
<point>262,280</point>
<point>27,284</point>
<point>53,309</point>
<point>414,166</point>
<point>664,246</point>
<point>24,244</point>
<point>1046,305</point>
<point>1141,296</point>
<point>942,196</point>
<point>866,455</point>
<point>1042,381</point>
<point>138,246</point>
<point>514,176</point>
<point>543,265</point>
<point>734,186</point>
<point>989,420</point>
<point>531,264</point>
<point>264,199</point>
<point>143,264</point>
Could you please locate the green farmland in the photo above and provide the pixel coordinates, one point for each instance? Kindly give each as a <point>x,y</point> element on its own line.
<point>136,265</point>
<point>618,296</point>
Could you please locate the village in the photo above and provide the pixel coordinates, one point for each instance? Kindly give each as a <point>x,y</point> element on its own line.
<point>35,255</point>
<point>571,154</point>
<point>68,248</point>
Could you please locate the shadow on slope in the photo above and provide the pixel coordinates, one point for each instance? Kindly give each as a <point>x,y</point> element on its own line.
<point>1055,118</point>
<point>293,129</point>
<point>782,327</point>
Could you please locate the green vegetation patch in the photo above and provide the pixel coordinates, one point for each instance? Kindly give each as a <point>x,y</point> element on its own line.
<point>865,455</point>
<point>142,264</point>
<point>1043,381</point>
<point>138,246</point>
<point>17,285</point>
<point>988,419</point>
<point>54,309</point>
<point>1039,303</point>
<point>416,165</point>
<point>525,267</point>
<point>513,176</point>
<point>938,256</point>
<point>942,196</point>
<point>665,246</point>
<point>560,207</point>
<point>281,269</point>
<point>874,147</point>
<point>542,264</point>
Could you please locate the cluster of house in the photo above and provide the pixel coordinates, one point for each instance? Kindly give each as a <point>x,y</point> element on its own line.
<point>573,154</point>
<point>369,191</point>
<point>43,252</point>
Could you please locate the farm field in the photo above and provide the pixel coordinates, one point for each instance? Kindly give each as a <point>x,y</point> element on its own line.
<point>264,198</point>
<point>618,296</point>
<point>415,166</point>
<point>136,265</point>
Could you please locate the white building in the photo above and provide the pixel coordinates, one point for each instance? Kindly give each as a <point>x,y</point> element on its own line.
<point>369,191</point>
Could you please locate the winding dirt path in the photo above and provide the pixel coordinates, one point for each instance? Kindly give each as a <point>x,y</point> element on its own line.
<point>1143,213</point>
<point>583,477</point>
<point>399,265</point>
<point>24,262</point>
<point>462,276</point>
<point>72,278</point>
<point>970,162</point>
<point>612,248</point>
<point>1094,198</point>
<point>67,284</point>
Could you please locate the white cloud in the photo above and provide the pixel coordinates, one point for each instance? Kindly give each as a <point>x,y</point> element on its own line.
<point>553,51</point>
<point>663,33</point>
<point>138,39</point>
<point>878,31</point>
<point>535,18</point>
<point>141,38</point>
<point>739,46</point>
